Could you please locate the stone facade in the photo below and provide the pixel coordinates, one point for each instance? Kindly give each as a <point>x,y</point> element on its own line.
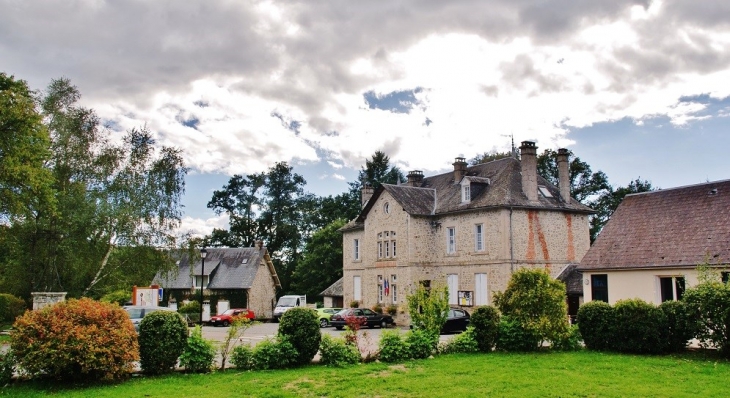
<point>443,247</point>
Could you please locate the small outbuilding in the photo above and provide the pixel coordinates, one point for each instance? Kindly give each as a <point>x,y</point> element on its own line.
<point>333,295</point>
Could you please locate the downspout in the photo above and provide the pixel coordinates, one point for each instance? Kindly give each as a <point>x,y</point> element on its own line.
<point>511,245</point>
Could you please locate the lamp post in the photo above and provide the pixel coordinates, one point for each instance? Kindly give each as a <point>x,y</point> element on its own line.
<point>203,253</point>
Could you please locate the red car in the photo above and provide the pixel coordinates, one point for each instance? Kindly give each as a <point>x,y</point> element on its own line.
<point>225,318</point>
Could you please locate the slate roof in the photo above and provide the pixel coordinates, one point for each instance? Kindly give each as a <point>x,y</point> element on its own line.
<point>572,278</point>
<point>675,227</point>
<point>493,184</point>
<point>228,269</point>
<point>335,290</point>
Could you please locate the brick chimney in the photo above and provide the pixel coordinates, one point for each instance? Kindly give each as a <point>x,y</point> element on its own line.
<point>528,153</point>
<point>459,169</point>
<point>564,174</point>
<point>415,178</point>
<point>366,192</point>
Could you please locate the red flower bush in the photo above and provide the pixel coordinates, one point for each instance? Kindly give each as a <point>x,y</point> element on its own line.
<point>75,339</point>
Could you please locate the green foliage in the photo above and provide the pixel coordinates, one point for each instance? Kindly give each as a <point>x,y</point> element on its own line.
<point>7,367</point>
<point>392,309</point>
<point>321,264</point>
<point>276,353</point>
<point>490,156</point>
<point>596,321</point>
<point>537,303</point>
<point>162,338</point>
<point>354,304</point>
<point>428,308</point>
<point>680,326</point>
<point>25,185</point>
<point>393,347</point>
<point>301,326</point>
<point>569,342</point>
<point>638,327</point>
<point>709,304</point>
<point>239,325</point>
<point>11,307</point>
<point>75,340</point>
<point>514,337</point>
<point>463,343</point>
<point>421,343</point>
<point>192,307</point>
<point>199,353</point>
<point>485,321</point>
<point>242,357</point>
<point>336,352</point>
<point>120,297</point>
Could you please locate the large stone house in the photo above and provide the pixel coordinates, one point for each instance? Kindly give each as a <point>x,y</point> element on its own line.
<point>469,229</point>
<point>241,277</point>
<point>654,241</point>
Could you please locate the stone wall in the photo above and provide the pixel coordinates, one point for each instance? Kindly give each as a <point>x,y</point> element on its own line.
<point>262,294</point>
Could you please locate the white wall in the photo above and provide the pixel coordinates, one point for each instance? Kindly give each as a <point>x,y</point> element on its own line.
<point>642,284</point>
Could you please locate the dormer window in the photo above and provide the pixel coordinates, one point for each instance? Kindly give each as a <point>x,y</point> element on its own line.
<point>466,191</point>
<point>544,191</point>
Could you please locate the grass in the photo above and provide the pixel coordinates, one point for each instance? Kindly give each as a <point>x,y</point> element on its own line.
<point>579,374</point>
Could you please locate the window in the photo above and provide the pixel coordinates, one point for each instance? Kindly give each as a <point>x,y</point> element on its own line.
<point>393,290</point>
<point>197,281</point>
<point>480,289</point>
<point>357,288</point>
<point>725,276</point>
<point>599,287</point>
<point>452,281</point>
<point>672,288</point>
<point>465,193</point>
<point>356,249</point>
<point>451,240</point>
<point>386,244</point>
<point>380,288</point>
<point>478,237</point>
<point>386,208</point>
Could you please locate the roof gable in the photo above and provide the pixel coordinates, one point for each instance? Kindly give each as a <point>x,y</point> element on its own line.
<point>678,227</point>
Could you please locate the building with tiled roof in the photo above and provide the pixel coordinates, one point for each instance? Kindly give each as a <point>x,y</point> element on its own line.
<point>243,277</point>
<point>468,229</point>
<point>652,244</point>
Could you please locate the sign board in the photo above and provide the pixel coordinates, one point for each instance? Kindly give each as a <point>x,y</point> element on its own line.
<point>465,298</point>
<point>148,296</point>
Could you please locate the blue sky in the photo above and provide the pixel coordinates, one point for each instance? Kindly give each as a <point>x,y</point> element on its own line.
<point>636,88</point>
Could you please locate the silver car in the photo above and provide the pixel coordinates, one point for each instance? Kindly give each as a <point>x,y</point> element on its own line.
<point>137,312</point>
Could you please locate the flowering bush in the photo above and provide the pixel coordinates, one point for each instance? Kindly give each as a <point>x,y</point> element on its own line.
<point>75,339</point>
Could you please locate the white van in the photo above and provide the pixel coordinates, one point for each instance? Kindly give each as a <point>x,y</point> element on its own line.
<point>286,302</point>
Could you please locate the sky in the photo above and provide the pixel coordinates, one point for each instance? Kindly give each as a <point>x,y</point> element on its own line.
<point>637,89</point>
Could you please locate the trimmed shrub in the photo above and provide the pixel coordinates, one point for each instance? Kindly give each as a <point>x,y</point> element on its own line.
<point>709,304</point>
<point>465,342</point>
<point>198,354</point>
<point>514,337</point>
<point>485,321</point>
<point>392,310</point>
<point>192,307</point>
<point>7,367</point>
<point>537,302</point>
<point>428,308</point>
<point>596,322</point>
<point>276,353</point>
<point>336,352</point>
<point>569,342</point>
<point>421,343</point>
<point>680,325</point>
<point>301,326</point>
<point>121,297</point>
<point>393,347</point>
<point>378,308</point>
<point>162,339</point>
<point>242,357</point>
<point>11,307</point>
<point>75,340</point>
<point>638,327</point>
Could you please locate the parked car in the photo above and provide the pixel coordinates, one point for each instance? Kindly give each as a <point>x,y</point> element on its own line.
<point>226,318</point>
<point>324,315</point>
<point>456,321</point>
<point>137,312</point>
<point>369,317</point>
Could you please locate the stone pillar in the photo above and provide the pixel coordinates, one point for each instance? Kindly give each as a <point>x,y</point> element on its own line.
<point>528,153</point>
<point>415,178</point>
<point>44,299</point>
<point>459,169</point>
<point>366,193</point>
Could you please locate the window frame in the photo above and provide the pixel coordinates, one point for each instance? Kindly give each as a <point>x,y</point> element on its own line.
<point>451,240</point>
<point>602,290</point>
<point>677,285</point>
<point>356,249</point>
<point>479,237</point>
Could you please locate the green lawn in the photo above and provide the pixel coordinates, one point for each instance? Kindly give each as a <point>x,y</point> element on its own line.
<point>581,374</point>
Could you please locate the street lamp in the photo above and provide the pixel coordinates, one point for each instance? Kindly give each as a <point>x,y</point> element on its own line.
<point>203,253</point>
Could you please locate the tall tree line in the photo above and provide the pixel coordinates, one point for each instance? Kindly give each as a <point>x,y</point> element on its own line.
<point>83,215</point>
